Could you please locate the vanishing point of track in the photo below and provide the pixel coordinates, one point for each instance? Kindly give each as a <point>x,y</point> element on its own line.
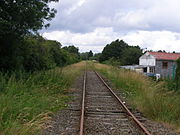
<point>103,112</point>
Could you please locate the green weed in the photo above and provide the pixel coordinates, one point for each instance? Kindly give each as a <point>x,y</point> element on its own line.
<point>27,100</point>
<point>152,98</point>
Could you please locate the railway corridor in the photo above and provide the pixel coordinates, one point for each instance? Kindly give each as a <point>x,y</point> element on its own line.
<point>103,114</point>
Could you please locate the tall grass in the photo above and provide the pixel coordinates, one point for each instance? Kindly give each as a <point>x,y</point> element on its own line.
<point>151,98</point>
<point>27,100</point>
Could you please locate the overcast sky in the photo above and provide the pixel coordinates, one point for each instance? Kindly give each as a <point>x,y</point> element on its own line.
<point>91,24</point>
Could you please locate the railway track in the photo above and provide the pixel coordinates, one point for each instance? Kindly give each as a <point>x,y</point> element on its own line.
<point>103,113</point>
<point>99,112</point>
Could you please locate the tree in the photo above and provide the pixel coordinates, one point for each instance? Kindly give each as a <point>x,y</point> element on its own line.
<point>24,16</point>
<point>96,56</point>
<point>113,50</point>
<point>37,53</point>
<point>73,53</point>
<point>121,53</point>
<point>19,18</point>
<point>177,77</point>
<point>90,54</point>
<point>131,55</point>
<point>84,55</point>
<point>71,49</point>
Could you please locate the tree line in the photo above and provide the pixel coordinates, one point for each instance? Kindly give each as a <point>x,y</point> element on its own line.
<point>36,53</point>
<point>120,53</point>
<point>21,47</point>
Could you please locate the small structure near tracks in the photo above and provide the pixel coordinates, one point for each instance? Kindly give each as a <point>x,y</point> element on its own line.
<point>159,63</point>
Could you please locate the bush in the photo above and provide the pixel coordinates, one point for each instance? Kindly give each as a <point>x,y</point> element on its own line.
<point>113,62</point>
<point>177,78</point>
<point>36,53</point>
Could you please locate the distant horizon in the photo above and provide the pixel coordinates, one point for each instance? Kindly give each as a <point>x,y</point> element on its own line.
<point>81,51</point>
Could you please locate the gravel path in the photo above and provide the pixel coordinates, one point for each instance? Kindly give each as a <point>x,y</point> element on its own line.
<point>66,122</point>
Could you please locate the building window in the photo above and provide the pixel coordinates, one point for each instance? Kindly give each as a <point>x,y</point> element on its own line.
<point>152,69</point>
<point>164,65</point>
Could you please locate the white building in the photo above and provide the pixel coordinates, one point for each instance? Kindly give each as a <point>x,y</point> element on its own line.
<point>148,61</point>
<point>159,63</point>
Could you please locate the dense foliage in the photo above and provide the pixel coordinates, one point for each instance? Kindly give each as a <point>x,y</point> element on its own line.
<point>121,52</point>
<point>72,54</point>
<point>20,49</point>
<point>86,55</point>
<point>72,49</point>
<point>39,54</point>
<point>18,20</point>
<point>45,54</point>
<point>177,78</point>
<point>19,17</point>
<point>96,56</point>
<point>90,54</point>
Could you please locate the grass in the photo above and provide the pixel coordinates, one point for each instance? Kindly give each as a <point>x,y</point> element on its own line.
<point>153,99</point>
<point>28,100</point>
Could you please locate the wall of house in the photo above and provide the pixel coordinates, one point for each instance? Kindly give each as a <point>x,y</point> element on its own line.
<point>165,72</point>
<point>147,60</point>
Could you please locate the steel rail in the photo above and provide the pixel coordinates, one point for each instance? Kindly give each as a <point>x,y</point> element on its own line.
<point>127,110</point>
<point>83,105</point>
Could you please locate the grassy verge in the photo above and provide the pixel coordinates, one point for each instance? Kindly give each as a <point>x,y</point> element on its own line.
<point>28,100</point>
<point>153,99</point>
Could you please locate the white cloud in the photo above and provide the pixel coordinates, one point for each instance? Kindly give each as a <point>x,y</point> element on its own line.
<point>91,24</point>
<point>86,15</point>
<point>91,41</point>
<point>131,20</point>
<point>96,40</point>
<point>75,6</point>
<point>156,40</point>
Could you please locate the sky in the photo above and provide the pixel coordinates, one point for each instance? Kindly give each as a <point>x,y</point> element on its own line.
<point>92,24</point>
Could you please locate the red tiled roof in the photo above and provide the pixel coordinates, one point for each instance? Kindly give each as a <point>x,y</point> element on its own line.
<point>165,56</point>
